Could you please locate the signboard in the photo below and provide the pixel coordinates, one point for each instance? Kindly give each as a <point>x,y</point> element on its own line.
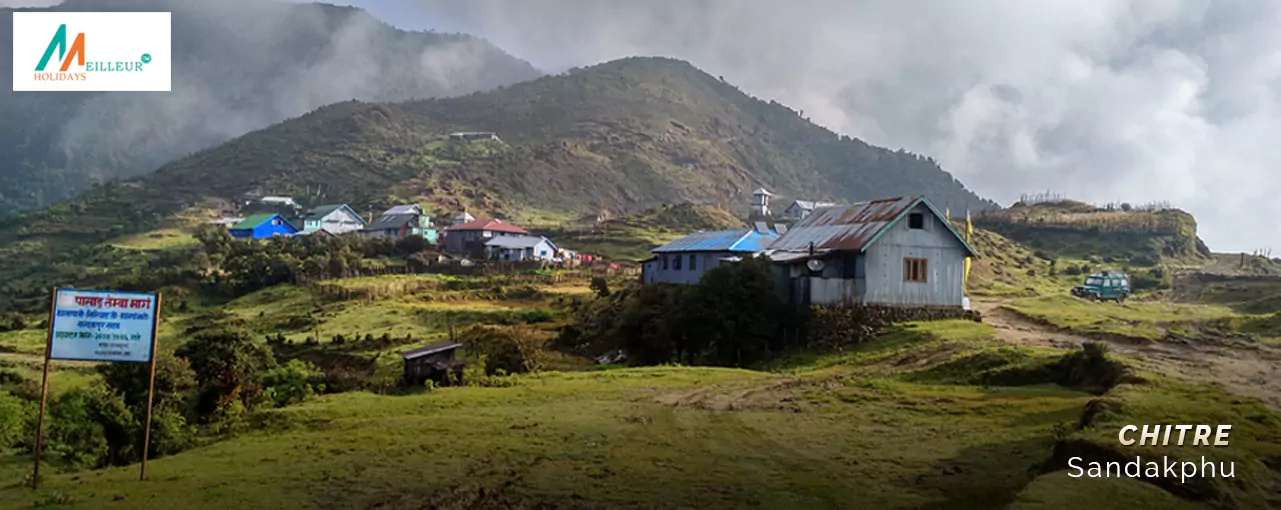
<point>99,325</point>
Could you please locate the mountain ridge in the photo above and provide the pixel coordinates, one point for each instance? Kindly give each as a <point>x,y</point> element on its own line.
<point>238,66</point>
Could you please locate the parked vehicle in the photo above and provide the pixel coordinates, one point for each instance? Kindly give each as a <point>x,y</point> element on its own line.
<point>1105,286</point>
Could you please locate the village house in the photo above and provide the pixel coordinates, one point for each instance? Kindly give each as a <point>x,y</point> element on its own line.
<point>802,208</point>
<point>401,222</point>
<point>519,248</point>
<point>334,219</point>
<point>431,363</point>
<point>470,238</point>
<point>262,226</point>
<point>684,260</point>
<point>897,252</point>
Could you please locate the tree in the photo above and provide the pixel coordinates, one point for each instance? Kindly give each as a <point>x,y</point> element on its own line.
<point>744,311</point>
<point>229,366</point>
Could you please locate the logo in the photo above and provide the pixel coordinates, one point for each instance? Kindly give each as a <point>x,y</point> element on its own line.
<point>59,43</point>
<point>91,51</point>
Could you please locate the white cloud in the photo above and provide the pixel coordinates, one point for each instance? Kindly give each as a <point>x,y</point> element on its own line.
<point>1139,100</point>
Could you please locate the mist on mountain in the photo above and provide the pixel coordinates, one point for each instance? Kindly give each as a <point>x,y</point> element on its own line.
<point>238,66</point>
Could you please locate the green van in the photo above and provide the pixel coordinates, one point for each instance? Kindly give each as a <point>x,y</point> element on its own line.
<point>1105,286</point>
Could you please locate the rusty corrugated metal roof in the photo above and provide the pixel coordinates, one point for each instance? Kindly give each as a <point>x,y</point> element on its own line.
<point>843,227</point>
<point>852,227</point>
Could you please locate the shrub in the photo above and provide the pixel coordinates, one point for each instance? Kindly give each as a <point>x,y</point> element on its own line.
<point>1154,279</point>
<point>510,349</point>
<point>92,428</point>
<point>1072,270</point>
<point>228,365</point>
<point>16,416</point>
<point>537,316</point>
<point>600,286</point>
<point>290,383</point>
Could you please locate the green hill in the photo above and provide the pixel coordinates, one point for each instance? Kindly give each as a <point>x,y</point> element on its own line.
<point>239,65</point>
<point>1083,231</point>
<point>618,137</point>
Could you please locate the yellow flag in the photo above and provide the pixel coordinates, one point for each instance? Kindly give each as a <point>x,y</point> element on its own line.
<point>969,232</point>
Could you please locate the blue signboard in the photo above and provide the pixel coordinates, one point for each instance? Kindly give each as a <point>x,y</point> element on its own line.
<point>103,325</point>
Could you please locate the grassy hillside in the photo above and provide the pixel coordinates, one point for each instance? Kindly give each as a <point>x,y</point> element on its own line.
<point>240,65</point>
<point>617,137</point>
<point>1079,230</point>
<point>927,415</point>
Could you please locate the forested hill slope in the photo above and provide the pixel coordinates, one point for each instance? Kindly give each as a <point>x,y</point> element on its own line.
<point>616,137</point>
<point>239,65</point>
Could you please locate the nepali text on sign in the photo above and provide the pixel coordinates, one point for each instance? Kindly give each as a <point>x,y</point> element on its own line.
<point>97,325</point>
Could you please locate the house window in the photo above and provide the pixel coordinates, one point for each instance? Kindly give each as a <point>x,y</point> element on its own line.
<point>275,222</point>
<point>692,264</point>
<point>664,259</point>
<point>915,270</point>
<point>676,262</point>
<point>916,221</point>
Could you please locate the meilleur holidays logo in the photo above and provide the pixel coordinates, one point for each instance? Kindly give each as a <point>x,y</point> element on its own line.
<point>91,52</point>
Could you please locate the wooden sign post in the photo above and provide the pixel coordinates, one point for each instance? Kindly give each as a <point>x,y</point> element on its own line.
<point>102,326</point>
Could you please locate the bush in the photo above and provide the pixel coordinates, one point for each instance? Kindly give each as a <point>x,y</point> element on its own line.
<point>537,316</point>
<point>600,287</point>
<point>228,366</point>
<point>92,428</point>
<point>1072,271</point>
<point>16,416</point>
<point>510,349</point>
<point>1154,279</point>
<point>290,383</point>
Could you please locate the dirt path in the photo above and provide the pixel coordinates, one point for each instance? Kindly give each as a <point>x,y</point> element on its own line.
<point>1242,367</point>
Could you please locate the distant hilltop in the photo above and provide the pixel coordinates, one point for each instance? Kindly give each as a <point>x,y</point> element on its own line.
<point>1145,233</point>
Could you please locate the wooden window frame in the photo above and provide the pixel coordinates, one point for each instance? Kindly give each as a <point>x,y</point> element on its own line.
<point>916,270</point>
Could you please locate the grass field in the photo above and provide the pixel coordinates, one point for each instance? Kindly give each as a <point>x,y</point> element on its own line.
<point>858,429</point>
<point>1134,319</point>
<point>669,437</point>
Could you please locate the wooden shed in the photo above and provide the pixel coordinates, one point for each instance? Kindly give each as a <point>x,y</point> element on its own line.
<point>433,362</point>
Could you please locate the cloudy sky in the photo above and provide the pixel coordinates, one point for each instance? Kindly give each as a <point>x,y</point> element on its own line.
<point>1109,100</point>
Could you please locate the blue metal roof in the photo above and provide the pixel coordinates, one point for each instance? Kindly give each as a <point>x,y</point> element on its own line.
<point>741,240</point>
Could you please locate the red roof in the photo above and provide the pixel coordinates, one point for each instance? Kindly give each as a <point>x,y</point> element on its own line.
<point>491,225</point>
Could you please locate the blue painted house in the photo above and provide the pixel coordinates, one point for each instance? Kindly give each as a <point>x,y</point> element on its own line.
<point>262,226</point>
<point>684,260</point>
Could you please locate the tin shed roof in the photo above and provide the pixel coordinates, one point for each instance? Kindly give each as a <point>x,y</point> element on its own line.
<point>392,221</point>
<point>430,349</point>
<point>517,241</point>
<point>854,227</point>
<point>747,240</point>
